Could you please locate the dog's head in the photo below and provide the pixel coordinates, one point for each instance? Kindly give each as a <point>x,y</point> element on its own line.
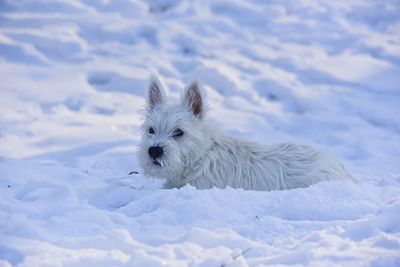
<point>174,136</point>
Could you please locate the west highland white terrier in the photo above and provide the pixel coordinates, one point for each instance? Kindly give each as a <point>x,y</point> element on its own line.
<point>179,146</point>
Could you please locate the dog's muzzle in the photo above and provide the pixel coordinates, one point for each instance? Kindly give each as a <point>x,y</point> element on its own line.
<point>156,152</point>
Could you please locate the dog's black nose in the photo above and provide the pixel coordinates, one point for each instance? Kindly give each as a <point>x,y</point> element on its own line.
<point>155,152</point>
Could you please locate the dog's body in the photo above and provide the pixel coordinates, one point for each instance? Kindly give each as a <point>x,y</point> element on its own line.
<point>178,145</point>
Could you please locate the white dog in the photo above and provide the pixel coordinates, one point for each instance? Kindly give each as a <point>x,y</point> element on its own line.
<point>179,146</point>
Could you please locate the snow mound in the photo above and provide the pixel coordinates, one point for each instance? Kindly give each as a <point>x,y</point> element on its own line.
<point>73,76</point>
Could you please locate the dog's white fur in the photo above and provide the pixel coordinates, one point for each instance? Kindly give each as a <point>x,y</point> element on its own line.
<point>206,158</point>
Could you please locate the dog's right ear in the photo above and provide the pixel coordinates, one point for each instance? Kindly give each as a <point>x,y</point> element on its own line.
<point>156,93</point>
<point>194,100</point>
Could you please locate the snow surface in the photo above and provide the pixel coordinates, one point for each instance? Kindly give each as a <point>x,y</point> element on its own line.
<point>73,76</point>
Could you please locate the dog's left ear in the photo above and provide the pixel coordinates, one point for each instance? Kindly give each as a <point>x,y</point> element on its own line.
<point>193,99</point>
<point>155,93</point>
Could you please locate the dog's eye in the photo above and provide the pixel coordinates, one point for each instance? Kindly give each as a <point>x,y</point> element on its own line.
<point>177,133</point>
<point>151,130</point>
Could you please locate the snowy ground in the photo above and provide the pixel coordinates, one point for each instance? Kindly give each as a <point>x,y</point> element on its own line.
<point>73,76</point>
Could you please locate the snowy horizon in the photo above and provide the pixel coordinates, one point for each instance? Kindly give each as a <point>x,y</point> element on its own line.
<point>73,79</point>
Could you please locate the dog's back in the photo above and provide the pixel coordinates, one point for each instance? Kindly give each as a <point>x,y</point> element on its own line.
<point>241,164</point>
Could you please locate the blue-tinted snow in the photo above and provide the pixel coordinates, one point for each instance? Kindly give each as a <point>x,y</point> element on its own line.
<point>73,77</point>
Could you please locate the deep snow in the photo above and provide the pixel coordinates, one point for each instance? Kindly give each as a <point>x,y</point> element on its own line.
<point>73,76</point>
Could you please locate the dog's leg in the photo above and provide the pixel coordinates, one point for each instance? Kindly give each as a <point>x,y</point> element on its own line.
<point>171,185</point>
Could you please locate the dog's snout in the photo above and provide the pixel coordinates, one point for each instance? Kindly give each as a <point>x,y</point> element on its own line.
<point>155,152</point>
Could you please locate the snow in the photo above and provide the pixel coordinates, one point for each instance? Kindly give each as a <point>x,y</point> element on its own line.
<point>73,76</point>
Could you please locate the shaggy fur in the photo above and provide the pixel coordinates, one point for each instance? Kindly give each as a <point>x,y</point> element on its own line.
<point>206,158</point>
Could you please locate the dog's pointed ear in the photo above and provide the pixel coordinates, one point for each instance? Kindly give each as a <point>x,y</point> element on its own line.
<point>194,100</point>
<point>155,93</point>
